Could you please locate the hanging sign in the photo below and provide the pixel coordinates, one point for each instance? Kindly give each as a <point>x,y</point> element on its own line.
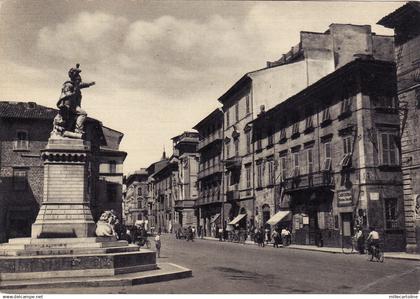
<point>344,198</point>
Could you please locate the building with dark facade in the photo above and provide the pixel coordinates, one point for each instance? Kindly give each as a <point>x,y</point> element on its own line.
<point>406,23</point>
<point>24,131</point>
<point>210,178</point>
<point>327,158</point>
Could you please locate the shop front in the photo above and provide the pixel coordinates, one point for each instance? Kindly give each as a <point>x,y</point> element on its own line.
<point>312,218</point>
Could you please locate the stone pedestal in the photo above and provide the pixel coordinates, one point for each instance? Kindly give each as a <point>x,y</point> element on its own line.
<point>65,210</point>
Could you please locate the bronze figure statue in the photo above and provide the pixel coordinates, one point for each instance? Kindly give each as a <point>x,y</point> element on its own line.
<point>71,117</point>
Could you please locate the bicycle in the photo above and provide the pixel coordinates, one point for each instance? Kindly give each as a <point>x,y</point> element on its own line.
<point>376,253</point>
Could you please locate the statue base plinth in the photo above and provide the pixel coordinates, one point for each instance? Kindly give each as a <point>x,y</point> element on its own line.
<point>65,210</point>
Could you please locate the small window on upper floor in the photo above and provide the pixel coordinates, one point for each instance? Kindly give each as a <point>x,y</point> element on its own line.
<point>247,100</point>
<point>21,142</point>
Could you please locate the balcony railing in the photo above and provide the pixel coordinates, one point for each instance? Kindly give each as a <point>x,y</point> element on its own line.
<point>212,196</point>
<point>21,145</point>
<point>181,204</point>
<point>210,170</point>
<point>233,162</point>
<point>309,181</point>
<point>217,135</point>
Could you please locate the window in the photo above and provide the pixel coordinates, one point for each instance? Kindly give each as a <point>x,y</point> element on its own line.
<point>247,104</point>
<point>283,134</point>
<point>295,129</point>
<point>227,118</point>
<point>391,209</point>
<point>248,175</point>
<point>236,142</point>
<point>22,141</point>
<point>139,191</point>
<point>387,102</point>
<point>20,179</point>
<point>348,151</point>
<point>308,123</point>
<point>346,105</point>
<point>111,191</point>
<point>270,137</point>
<point>260,173</point>
<point>283,167</point>
<point>388,149</point>
<point>327,157</point>
<point>309,161</point>
<point>326,115</point>
<point>227,150</point>
<point>271,173</point>
<point>295,164</point>
<point>237,112</point>
<point>259,142</point>
<point>248,142</point>
<point>112,167</point>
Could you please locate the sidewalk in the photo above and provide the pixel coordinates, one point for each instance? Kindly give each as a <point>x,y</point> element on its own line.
<point>388,255</point>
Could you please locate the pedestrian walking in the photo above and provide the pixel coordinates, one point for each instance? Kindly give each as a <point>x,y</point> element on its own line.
<point>275,238</point>
<point>157,244</point>
<point>360,240</point>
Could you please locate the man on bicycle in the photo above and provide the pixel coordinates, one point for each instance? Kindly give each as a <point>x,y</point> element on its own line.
<point>373,239</point>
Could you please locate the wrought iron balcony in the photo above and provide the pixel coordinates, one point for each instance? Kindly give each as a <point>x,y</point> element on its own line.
<point>233,162</point>
<point>216,136</point>
<point>309,181</point>
<point>210,170</point>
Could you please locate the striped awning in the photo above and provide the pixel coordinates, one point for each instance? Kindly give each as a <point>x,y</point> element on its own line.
<point>279,216</point>
<point>237,219</point>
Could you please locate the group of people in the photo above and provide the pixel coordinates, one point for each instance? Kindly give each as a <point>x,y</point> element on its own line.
<point>371,240</point>
<point>263,237</point>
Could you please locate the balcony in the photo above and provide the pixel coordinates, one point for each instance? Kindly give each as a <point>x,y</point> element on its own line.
<point>309,181</point>
<point>232,193</point>
<point>21,145</point>
<point>210,196</point>
<point>210,170</point>
<point>217,135</point>
<point>184,204</point>
<point>234,162</point>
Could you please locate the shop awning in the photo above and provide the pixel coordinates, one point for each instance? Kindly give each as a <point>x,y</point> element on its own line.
<point>215,217</point>
<point>279,216</point>
<point>237,219</point>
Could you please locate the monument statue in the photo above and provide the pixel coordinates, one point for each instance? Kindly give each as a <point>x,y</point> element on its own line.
<point>71,117</point>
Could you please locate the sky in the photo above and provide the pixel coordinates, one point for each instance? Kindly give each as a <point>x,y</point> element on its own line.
<point>159,66</point>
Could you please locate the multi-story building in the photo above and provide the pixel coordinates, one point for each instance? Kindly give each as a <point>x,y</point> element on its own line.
<point>186,194</point>
<point>110,177</point>
<point>209,202</point>
<point>136,206</point>
<point>316,55</point>
<point>406,22</point>
<point>24,131</point>
<point>329,157</point>
<point>152,200</point>
<point>165,183</point>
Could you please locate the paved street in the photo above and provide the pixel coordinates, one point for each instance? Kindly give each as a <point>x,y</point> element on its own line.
<point>234,268</point>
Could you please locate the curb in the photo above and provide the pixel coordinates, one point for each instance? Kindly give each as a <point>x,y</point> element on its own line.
<point>410,258</point>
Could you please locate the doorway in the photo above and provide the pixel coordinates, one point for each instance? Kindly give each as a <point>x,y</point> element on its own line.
<point>347,224</point>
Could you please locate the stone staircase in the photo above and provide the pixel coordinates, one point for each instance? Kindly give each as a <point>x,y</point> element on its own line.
<point>58,262</point>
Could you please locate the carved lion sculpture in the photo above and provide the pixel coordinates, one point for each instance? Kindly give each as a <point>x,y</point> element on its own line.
<point>105,225</point>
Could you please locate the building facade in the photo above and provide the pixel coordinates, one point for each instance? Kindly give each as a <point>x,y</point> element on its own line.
<point>185,148</point>
<point>210,200</point>
<point>136,206</point>
<point>406,23</point>
<point>317,55</point>
<point>329,157</point>
<point>24,131</point>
